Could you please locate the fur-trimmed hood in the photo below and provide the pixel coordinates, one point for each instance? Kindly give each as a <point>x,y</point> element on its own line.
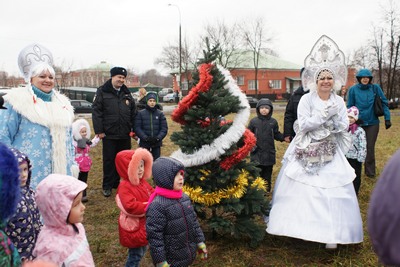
<point>77,126</point>
<point>127,163</point>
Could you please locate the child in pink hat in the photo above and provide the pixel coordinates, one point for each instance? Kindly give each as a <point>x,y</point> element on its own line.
<point>358,151</point>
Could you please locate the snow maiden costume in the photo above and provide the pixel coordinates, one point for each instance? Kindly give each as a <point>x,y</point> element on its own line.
<point>314,198</point>
<point>39,123</point>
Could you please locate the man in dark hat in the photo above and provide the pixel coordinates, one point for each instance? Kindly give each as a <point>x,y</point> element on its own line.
<point>114,111</point>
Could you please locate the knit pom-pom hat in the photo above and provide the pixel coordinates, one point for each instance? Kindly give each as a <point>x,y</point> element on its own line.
<point>353,112</point>
<point>165,170</point>
<point>77,127</point>
<point>127,163</point>
<point>9,183</point>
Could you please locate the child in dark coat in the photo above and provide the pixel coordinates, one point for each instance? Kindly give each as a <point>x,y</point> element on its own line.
<point>24,226</point>
<point>151,126</point>
<point>134,168</point>
<point>9,197</point>
<point>172,227</point>
<point>266,130</point>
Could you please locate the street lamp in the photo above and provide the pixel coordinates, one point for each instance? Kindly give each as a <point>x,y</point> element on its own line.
<point>180,53</point>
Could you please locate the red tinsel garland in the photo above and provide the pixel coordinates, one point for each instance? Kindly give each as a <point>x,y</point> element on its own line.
<point>249,142</point>
<point>203,85</point>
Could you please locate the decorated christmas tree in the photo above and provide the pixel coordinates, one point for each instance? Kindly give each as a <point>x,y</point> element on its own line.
<point>223,185</point>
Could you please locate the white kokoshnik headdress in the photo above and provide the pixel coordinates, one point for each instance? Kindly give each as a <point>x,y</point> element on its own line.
<point>32,56</point>
<point>325,54</point>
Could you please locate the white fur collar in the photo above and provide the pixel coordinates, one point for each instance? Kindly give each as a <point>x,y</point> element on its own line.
<point>58,112</point>
<point>56,115</point>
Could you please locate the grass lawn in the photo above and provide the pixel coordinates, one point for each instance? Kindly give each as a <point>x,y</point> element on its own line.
<point>102,228</point>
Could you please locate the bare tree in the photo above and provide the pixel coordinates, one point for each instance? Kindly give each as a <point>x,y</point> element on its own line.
<point>256,39</point>
<point>360,58</point>
<point>169,58</point>
<point>63,72</point>
<point>386,45</point>
<point>154,77</point>
<point>228,37</point>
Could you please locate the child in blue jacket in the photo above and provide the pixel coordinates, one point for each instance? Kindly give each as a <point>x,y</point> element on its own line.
<point>151,126</point>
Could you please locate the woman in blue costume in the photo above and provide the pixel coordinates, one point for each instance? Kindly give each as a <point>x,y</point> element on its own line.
<point>38,119</point>
<point>314,198</point>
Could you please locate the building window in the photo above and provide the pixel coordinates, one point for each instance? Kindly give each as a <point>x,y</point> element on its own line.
<point>252,84</point>
<point>240,80</point>
<point>275,84</point>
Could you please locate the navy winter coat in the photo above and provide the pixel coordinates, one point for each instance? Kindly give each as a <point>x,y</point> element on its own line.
<point>151,122</point>
<point>173,230</point>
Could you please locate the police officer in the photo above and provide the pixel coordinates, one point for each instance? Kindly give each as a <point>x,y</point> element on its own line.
<point>114,111</point>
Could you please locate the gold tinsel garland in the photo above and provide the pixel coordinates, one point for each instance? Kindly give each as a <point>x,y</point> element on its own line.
<point>237,191</point>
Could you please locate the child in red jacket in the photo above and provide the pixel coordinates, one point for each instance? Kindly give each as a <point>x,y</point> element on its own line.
<point>134,167</point>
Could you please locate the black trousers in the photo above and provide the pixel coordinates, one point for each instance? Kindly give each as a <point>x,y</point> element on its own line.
<point>266,174</point>
<point>155,151</point>
<point>110,149</point>
<point>83,176</point>
<point>371,133</point>
<point>357,166</point>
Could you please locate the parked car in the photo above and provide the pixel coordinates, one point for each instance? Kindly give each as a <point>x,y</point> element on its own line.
<point>164,92</point>
<point>82,106</point>
<point>252,101</point>
<point>170,98</point>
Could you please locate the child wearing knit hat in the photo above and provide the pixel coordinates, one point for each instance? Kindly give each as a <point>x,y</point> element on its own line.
<point>358,151</point>
<point>82,145</point>
<point>151,126</point>
<point>133,193</point>
<point>172,227</point>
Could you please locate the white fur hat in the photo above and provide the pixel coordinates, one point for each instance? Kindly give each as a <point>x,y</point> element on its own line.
<point>353,112</point>
<point>77,126</point>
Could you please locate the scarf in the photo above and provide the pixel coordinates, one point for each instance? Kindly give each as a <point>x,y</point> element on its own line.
<point>159,191</point>
<point>353,127</point>
<point>46,97</point>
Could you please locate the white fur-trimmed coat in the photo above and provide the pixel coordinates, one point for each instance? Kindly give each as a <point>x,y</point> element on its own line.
<point>40,129</point>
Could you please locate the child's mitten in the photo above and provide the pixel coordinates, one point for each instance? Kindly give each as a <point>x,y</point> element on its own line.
<point>202,250</point>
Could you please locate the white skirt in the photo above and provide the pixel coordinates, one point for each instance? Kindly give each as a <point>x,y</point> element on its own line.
<point>324,215</point>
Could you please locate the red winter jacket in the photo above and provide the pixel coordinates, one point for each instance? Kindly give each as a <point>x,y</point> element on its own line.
<point>134,200</point>
<point>133,193</point>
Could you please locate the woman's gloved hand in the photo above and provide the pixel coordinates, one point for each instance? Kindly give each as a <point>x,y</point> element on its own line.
<point>388,124</point>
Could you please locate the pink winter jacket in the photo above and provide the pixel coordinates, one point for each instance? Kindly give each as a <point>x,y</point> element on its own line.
<point>58,242</point>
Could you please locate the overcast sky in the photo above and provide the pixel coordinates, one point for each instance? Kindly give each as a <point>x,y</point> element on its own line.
<point>131,33</point>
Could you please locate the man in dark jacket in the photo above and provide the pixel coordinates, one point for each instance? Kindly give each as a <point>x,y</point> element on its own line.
<point>113,116</point>
<point>291,111</point>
